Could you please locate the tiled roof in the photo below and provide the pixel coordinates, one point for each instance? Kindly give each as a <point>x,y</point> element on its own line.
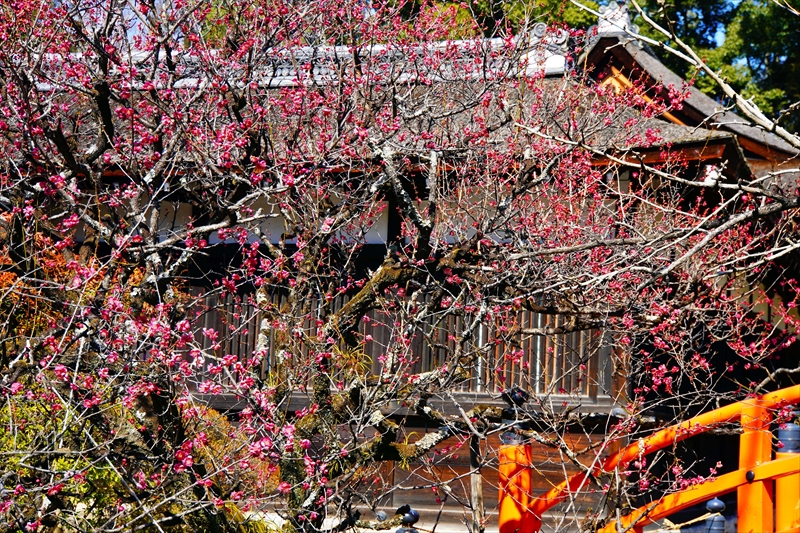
<point>718,117</point>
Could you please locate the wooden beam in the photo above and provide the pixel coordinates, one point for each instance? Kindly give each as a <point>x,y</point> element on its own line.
<point>689,153</point>
<point>620,82</point>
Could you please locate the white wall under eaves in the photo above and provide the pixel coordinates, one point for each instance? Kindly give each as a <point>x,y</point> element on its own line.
<point>544,52</point>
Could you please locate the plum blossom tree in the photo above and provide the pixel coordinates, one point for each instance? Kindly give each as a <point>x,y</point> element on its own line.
<point>377,207</point>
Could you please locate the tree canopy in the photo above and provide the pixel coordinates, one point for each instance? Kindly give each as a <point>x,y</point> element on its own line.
<point>340,226</point>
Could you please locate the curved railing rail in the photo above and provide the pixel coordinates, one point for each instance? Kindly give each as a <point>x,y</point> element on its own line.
<point>672,503</point>
<point>753,480</point>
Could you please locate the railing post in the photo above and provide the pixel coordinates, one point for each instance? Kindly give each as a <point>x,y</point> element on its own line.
<point>515,473</point>
<point>787,488</point>
<point>755,499</point>
<point>715,524</point>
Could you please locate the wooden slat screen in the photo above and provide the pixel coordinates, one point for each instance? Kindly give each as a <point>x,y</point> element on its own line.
<point>575,363</point>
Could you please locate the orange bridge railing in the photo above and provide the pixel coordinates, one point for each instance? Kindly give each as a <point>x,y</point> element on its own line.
<point>758,502</point>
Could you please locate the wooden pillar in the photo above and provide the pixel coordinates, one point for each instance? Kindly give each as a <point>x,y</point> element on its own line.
<point>755,500</point>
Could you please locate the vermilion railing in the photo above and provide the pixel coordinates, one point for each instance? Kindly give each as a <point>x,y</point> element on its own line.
<point>757,502</point>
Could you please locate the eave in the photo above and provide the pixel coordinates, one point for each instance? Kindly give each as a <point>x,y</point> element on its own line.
<point>623,61</point>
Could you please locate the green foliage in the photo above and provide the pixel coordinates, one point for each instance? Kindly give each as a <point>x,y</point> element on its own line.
<point>87,488</point>
<point>497,16</point>
<point>561,11</point>
<point>21,425</point>
<point>763,38</point>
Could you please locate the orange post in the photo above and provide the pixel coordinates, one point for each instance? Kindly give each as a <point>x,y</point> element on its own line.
<point>787,498</point>
<point>515,490</point>
<point>755,499</point>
